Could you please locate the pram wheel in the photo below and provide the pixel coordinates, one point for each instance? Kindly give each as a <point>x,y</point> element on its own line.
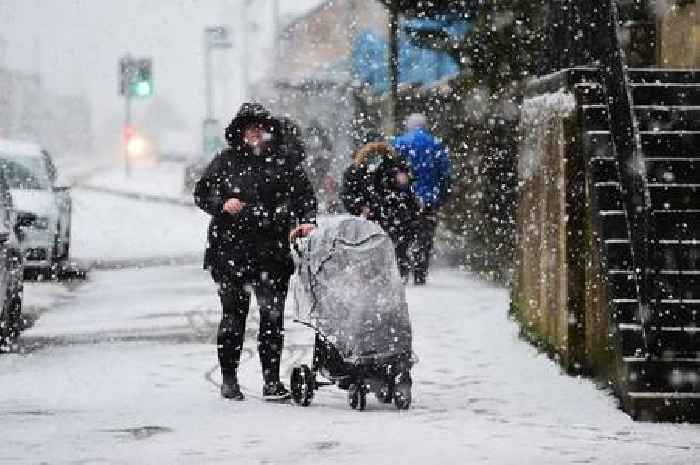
<point>402,390</point>
<point>357,396</point>
<point>385,394</point>
<point>302,384</point>
<point>402,397</point>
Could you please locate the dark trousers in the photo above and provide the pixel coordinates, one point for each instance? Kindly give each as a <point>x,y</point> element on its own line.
<point>403,244</point>
<point>423,246</point>
<point>270,294</point>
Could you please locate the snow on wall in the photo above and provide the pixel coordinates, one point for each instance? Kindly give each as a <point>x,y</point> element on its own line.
<point>536,117</point>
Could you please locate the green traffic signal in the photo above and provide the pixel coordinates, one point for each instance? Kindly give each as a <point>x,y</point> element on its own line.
<point>142,89</point>
<point>136,77</point>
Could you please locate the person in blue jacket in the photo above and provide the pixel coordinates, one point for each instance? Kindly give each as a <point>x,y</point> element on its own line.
<point>433,177</point>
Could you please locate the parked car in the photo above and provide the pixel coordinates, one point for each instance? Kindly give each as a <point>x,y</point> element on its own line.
<point>11,268</point>
<point>43,206</point>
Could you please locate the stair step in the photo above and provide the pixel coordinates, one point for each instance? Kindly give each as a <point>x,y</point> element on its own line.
<point>663,376</point>
<point>668,118</point>
<point>671,288</point>
<point>622,285</point>
<point>673,343</point>
<point>604,169</point>
<point>650,119</point>
<point>613,227</point>
<point>678,407</point>
<point>665,395</point>
<point>658,94</point>
<point>595,117</point>
<point>618,256</point>
<point>672,144</point>
<point>673,170</point>
<point>676,258</point>
<point>655,144</point>
<point>589,94</point>
<point>678,225</point>
<point>668,315</point>
<point>675,196</point>
<point>663,93</point>
<point>650,75</point>
<point>608,196</point>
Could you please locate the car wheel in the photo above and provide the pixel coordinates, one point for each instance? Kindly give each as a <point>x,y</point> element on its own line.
<point>61,247</point>
<point>66,246</point>
<point>10,319</point>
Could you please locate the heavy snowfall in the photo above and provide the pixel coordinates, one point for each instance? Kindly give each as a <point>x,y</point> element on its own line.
<point>113,345</point>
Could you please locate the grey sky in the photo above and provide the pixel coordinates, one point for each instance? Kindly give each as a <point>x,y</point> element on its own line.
<point>76,44</point>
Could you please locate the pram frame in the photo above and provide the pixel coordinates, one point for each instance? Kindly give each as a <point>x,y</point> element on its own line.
<point>385,375</point>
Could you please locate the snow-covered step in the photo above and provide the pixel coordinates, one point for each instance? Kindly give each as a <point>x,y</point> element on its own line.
<point>650,118</point>
<point>654,375</point>
<point>673,170</point>
<point>668,118</point>
<point>675,196</point>
<point>662,93</point>
<point>665,395</point>
<point>663,75</point>
<point>671,344</point>
<point>635,327</point>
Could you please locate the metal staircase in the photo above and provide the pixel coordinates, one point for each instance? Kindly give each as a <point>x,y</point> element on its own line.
<point>655,299</point>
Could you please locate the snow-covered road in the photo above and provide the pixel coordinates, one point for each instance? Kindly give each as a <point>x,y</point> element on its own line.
<point>121,369</point>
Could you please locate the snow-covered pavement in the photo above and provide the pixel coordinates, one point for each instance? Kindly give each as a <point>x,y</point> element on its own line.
<point>121,369</point>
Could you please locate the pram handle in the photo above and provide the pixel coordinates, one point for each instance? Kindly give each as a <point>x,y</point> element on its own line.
<point>298,245</point>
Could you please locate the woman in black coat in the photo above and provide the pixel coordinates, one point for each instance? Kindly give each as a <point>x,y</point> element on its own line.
<point>378,186</point>
<point>256,193</point>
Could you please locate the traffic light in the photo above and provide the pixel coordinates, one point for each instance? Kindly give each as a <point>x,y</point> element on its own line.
<point>142,84</point>
<point>137,146</point>
<point>136,77</point>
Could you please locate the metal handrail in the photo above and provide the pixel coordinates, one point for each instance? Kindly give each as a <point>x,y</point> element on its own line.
<point>632,168</point>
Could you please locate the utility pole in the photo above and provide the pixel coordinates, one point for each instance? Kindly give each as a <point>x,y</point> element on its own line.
<point>135,80</point>
<point>276,31</point>
<point>245,45</point>
<point>127,130</point>
<point>215,37</point>
<point>394,66</point>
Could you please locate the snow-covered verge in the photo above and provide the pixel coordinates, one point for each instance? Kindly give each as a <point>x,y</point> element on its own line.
<point>128,378</point>
<point>110,227</point>
<point>165,180</point>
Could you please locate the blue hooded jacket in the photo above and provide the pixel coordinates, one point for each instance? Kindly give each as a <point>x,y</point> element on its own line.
<point>431,165</point>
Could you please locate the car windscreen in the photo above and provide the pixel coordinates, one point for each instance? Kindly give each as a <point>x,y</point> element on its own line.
<point>24,172</point>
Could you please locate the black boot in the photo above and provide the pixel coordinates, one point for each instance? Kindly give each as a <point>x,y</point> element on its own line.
<point>275,390</point>
<point>230,389</point>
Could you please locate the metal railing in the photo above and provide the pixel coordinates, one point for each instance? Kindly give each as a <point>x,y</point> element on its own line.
<point>627,145</point>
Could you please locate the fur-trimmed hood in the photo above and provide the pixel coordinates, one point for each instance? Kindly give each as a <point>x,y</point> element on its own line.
<point>381,148</point>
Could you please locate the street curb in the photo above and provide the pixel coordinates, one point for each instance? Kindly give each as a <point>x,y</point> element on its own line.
<point>136,195</point>
<point>146,262</point>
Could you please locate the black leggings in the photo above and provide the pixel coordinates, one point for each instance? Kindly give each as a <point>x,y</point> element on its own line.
<point>235,302</point>
<point>427,222</point>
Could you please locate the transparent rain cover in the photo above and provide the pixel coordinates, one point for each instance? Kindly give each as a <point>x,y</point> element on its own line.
<point>347,286</point>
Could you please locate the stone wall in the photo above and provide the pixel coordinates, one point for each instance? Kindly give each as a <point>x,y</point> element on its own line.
<point>680,34</point>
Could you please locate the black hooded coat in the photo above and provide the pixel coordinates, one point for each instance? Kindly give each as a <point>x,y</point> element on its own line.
<point>277,194</point>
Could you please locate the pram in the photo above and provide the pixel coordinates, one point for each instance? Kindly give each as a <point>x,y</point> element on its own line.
<point>348,289</point>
